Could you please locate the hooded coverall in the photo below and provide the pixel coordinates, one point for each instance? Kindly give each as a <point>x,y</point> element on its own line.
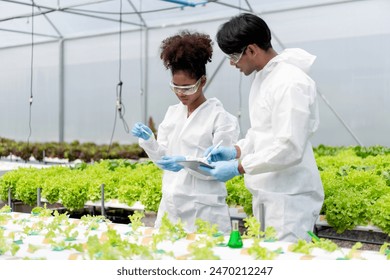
<point>276,153</point>
<point>187,195</point>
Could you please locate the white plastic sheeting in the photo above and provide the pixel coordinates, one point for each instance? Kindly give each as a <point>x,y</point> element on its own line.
<point>76,58</point>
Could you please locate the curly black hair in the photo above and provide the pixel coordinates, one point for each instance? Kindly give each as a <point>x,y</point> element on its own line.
<point>187,52</point>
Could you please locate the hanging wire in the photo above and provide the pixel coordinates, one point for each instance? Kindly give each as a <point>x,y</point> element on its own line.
<point>119,107</point>
<point>31,73</point>
<point>141,61</point>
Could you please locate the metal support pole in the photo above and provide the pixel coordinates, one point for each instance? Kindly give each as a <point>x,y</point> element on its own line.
<point>10,199</point>
<point>61,94</point>
<point>261,217</point>
<point>102,200</point>
<point>39,197</point>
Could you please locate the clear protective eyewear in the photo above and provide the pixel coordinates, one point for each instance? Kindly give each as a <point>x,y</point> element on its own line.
<point>235,57</point>
<point>186,90</point>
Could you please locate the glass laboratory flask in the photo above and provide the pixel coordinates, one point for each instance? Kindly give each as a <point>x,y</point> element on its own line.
<point>235,240</point>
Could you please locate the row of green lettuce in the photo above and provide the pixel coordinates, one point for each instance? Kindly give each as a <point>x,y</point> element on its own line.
<point>87,152</point>
<point>356,182</point>
<point>357,186</point>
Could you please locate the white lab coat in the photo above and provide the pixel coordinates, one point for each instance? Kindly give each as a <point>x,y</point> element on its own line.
<point>185,196</point>
<point>276,154</point>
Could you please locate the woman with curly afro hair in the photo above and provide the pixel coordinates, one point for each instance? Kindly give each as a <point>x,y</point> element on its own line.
<point>187,130</point>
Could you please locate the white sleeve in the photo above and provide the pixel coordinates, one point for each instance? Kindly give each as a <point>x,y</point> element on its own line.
<point>155,149</point>
<point>226,129</point>
<point>292,125</point>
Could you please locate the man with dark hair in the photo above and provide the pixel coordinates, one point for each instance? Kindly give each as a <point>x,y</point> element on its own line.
<point>276,156</point>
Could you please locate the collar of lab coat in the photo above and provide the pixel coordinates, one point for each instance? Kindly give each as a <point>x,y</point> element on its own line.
<point>295,56</point>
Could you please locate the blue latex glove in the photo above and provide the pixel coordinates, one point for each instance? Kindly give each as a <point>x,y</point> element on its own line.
<point>223,170</point>
<point>220,154</point>
<point>141,131</point>
<point>170,163</point>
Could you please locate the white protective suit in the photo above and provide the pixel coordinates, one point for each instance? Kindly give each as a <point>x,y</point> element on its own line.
<point>276,154</point>
<point>185,196</point>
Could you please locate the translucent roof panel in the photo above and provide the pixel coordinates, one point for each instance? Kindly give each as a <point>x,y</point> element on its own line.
<point>77,18</point>
<point>79,48</point>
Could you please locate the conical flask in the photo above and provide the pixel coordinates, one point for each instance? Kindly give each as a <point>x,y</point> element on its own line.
<point>235,240</point>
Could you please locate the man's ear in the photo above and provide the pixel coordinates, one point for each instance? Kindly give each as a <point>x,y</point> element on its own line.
<point>252,49</point>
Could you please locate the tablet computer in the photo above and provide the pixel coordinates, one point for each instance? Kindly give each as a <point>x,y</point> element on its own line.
<point>194,165</point>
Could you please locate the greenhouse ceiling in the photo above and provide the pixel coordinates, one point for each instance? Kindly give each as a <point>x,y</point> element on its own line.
<point>79,44</point>
<point>65,19</point>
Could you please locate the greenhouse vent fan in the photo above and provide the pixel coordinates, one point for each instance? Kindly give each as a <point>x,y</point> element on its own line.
<point>187,3</point>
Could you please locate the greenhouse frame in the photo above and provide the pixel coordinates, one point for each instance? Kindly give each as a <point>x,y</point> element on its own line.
<point>75,184</point>
<point>62,62</point>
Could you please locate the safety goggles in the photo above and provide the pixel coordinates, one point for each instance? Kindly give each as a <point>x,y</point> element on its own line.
<point>186,90</point>
<point>235,57</point>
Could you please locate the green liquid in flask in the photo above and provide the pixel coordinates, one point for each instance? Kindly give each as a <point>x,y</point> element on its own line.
<point>235,240</point>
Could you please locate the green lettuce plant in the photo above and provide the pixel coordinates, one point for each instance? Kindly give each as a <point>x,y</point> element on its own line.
<point>385,250</point>
<point>261,253</point>
<point>7,245</point>
<point>136,220</point>
<point>92,222</point>
<point>202,248</point>
<point>238,194</point>
<point>5,209</point>
<point>41,211</point>
<point>73,193</point>
<point>380,213</point>
<point>253,231</point>
<point>115,248</point>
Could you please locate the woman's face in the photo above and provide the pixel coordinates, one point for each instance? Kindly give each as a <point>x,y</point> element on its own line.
<point>187,89</point>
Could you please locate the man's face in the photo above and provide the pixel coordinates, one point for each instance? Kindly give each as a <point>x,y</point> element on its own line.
<point>243,62</point>
<point>234,58</point>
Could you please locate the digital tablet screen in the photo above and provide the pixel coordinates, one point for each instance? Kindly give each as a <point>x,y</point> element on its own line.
<point>194,165</point>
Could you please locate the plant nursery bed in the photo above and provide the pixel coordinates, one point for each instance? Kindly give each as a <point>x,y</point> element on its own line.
<point>372,237</point>
<point>40,236</point>
<point>115,215</point>
<point>322,222</point>
<point>371,240</point>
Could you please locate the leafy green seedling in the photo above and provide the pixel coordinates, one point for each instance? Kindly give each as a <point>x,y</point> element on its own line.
<point>41,211</point>
<point>136,220</point>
